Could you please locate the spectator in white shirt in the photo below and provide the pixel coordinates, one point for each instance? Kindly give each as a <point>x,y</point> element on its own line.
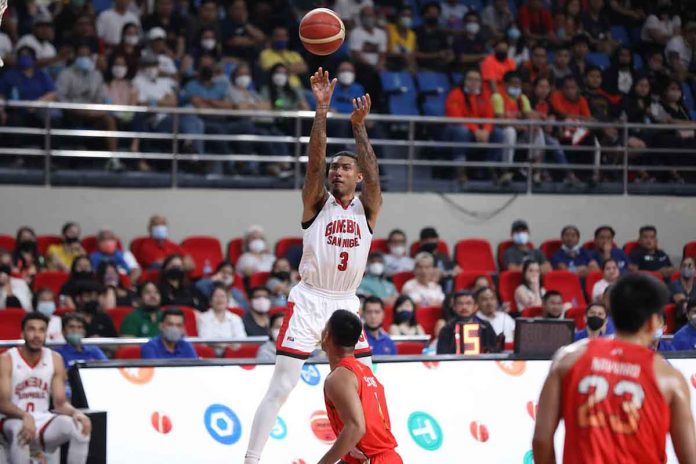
<point>256,257</point>
<point>423,289</point>
<point>5,47</point>
<point>349,10</point>
<point>110,22</point>
<point>397,260</point>
<point>14,292</point>
<point>45,303</point>
<point>368,50</point>
<point>41,41</point>
<point>531,290</point>
<point>661,26</point>
<point>488,310</point>
<point>218,322</point>
<point>610,274</point>
<point>681,48</point>
<point>157,44</point>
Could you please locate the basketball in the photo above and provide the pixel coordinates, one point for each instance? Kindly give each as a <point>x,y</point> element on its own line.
<point>322,32</point>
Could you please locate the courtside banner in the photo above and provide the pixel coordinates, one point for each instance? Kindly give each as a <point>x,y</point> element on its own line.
<point>445,412</point>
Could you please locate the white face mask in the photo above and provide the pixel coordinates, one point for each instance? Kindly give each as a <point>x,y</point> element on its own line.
<point>280,79</point>
<point>514,92</point>
<point>208,44</point>
<point>376,269</point>
<point>257,245</point>
<point>131,40</point>
<point>275,333</point>
<point>243,81</point>
<point>346,77</point>
<point>520,238</point>
<point>119,71</point>
<point>261,304</point>
<point>152,73</point>
<point>398,250</point>
<point>228,281</point>
<point>47,308</point>
<point>472,28</point>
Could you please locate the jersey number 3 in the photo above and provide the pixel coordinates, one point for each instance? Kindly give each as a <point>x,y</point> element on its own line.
<point>343,265</point>
<point>597,389</point>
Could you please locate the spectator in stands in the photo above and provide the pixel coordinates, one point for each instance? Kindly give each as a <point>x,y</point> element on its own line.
<point>241,39</point>
<point>568,104</point>
<point>60,256</point>
<point>495,66</point>
<point>680,52</point>
<point>464,323</point>
<point>683,288</point>
<point>536,22</point>
<point>44,302</point>
<point>129,48</point>
<point>510,103</point>
<point>225,274</point>
<point>153,250</point>
<point>685,338</point>
<point>26,260</point>
<point>14,292</point>
<point>619,78</point>
<point>430,243</point>
<point>342,100</point>
<point>267,351</point>
<point>522,250</point>
<point>531,291</point>
<point>81,270</point>
<point>279,92</point>
<point>166,18</point>
<point>84,31</point>
<point>256,321</point>
<point>423,288</point>
<point>120,90</point>
<point>41,41</point>
<point>647,257</point>
<point>560,69</point>
<point>86,297</point>
<point>518,49</point>
<point>174,285</point>
<point>605,248</point>
<point>537,67</point>
<point>572,256</point>
<point>610,274</point>
<point>568,21</point>
<point>115,294</point>
<point>397,260</point>
<point>277,52</point>
<point>378,338</point>
<point>433,49</point>
<point>656,70</point>
<point>145,319</point>
<point>375,283</point>
<point>596,24</point>
<point>208,18</point>
<point>170,344</point>
<point>5,48</point>
<point>107,250</point>
<point>661,26</point>
<point>368,51</point>
<point>636,109</point>
<point>404,320</point>
<point>628,13</point>
<point>157,45</point>
<point>481,282</point>
<point>452,15</point>
<point>243,94</point>
<point>401,41</point>
<point>74,332</point>
<point>597,319</point>
<point>218,322</point>
<point>256,257</point>
<point>66,17</point>
<point>579,63</point>
<point>552,305</point>
<point>603,107</point>
<point>490,311</point>
<point>497,18</point>
<point>281,281</point>
<point>470,47</point>
<point>110,22</point>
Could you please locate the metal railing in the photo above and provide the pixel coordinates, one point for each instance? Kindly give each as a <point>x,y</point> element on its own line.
<point>408,151</point>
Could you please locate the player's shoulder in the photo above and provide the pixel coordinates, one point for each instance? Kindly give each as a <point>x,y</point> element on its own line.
<point>568,355</point>
<point>338,378</point>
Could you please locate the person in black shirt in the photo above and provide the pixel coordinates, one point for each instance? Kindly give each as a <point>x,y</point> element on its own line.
<point>636,109</point>
<point>256,321</point>
<point>470,47</point>
<point>86,297</point>
<point>466,333</point>
<point>619,78</point>
<point>80,271</point>
<point>433,51</point>
<point>173,24</point>
<point>240,38</point>
<point>647,257</point>
<point>175,287</point>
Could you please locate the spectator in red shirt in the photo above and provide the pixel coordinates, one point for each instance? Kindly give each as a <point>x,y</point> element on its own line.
<point>495,66</point>
<point>536,22</point>
<point>537,67</point>
<point>154,249</point>
<point>567,102</point>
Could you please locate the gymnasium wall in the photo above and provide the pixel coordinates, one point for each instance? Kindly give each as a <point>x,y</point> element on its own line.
<point>227,213</point>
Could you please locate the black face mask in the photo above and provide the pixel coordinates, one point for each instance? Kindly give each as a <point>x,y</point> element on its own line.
<point>594,323</point>
<point>70,240</point>
<point>27,246</point>
<point>83,275</point>
<point>5,269</point>
<point>150,308</point>
<point>428,247</point>
<point>90,307</point>
<point>174,273</point>
<point>282,275</point>
<point>403,316</point>
<point>205,73</point>
<point>431,21</point>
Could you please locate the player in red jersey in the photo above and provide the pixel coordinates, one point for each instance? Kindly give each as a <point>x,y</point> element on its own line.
<point>618,399</point>
<point>355,401</point>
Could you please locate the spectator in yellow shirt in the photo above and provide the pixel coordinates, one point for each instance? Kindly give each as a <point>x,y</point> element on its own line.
<point>401,47</point>
<point>510,103</point>
<point>278,53</point>
<point>60,256</point>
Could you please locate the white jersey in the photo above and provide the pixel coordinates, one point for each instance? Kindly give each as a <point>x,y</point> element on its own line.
<point>31,385</point>
<point>336,244</point>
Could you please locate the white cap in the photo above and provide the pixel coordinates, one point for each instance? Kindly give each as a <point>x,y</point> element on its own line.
<point>156,33</point>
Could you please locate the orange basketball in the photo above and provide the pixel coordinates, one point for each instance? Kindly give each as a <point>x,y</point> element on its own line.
<point>322,32</point>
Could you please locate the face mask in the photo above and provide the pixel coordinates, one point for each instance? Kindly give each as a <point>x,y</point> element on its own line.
<point>205,73</point>
<point>243,81</point>
<point>208,44</point>
<point>83,275</point>
<point>25,62</point>
<point>280,79</point>
<point>514,92</point>
<point>368,22</point>
<point>428,247</point>
<point>431,21</point>
<point>403,316</point>
<point>228,281</point>
<point>27,246</point>
<point>84,64</point>
<point>398,250</point>
<point>513,34</point>
<point>275,333</point>
<point>472,28</point>
<point>282,275</point>
<point>111,280</point>
<point>406,21</point>
<point>131,40</point>
<point>71,240</point>
<point>261,304</point>
<point>150,308</point>
<point>108,246</point>
<point>475,91</point>
<point>47,308</point>
<point>90,307</point>
<point>257,245</point>
<point>346,77</point>
<point>152,73</point>
<point>595,323</point>
<point>501,56</point>
<point>687,272</point>
<point>74,338</point>
<point>172,334</point>
<point>520,238</point>
<point>159,232</point>
<point>119,72</point>
<point>376,269</point>
<point>279,44</point>
<point>174,273</point>
<point>674,95</point>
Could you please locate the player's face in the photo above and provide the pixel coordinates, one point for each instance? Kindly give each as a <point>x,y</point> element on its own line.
<point>464,306</point>
<point>344,175</point>
<point>34,335</point>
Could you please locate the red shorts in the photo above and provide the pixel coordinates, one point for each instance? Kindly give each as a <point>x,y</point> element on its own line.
<point>387,457</point>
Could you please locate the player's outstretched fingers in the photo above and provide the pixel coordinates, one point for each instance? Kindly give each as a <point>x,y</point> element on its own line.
<point>369,101</point>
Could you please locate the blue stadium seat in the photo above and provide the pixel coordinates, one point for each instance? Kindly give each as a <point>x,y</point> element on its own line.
<point>620,34</point>
<point>637,62</point>
<point>433,87</point>
<point>401,92</point>
<point>599,59</point>
<point>456,78</point>
<point>688,97</point>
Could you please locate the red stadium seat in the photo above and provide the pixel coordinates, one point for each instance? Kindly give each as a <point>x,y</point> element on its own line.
<point>689,249</point>
<point>149,275</point>
<point>53,280</point>
<point>578,314</point>
<point>118,314</point>
<point>89,243</point>
<point>442,248</point>
<point>590,280</point>
<point>277,309</point>
<point>204,351</point>
<point>411,348</point>
<point>190,323</point>
<point>258,279</point>
<point>204,250</point>
<point>466,279</point>
<point>568,284</point>
<point>676,275</point>
<point>238,311</point>
<point>235,248</point>
<point>124,280</point>
<point>508,282</point>
<point>245,350</point>
<point>504,245</point>
<point>475,255</point>
<point>284,244</point>
<point>589,245</point>
<point>532,311</point>
<point>549,247</point>
<point>60,312</point>
<point>427,317</point>
<point>44,241</point>
<point>388,317</point>
<point>128,352</point>
<point>7,242</point>
<point>11,323</point>
<point>400,278</point>
<point>135,246</point>
<point>629,246</point>
<point>379,245</point>
<point>670,318</point>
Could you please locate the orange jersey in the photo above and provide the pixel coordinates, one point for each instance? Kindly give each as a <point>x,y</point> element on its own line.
<point>613,410</point>
<point>378,443</point>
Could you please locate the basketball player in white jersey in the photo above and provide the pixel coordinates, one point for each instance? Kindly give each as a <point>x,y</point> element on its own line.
<point>30,376</point>
<point>337,233</point>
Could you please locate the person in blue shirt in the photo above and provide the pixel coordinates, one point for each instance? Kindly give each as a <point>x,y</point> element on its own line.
<point>685,338</point>
<point>170,344</point>
<point>684,287</point>
<point>572,256</point>
<point>107,250</point>
<point>74,331</point>
<point>605,248</point>
<point>599,324</point>
<point>378,339</point>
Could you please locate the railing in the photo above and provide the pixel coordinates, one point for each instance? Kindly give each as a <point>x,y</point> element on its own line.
<point>409,152</point>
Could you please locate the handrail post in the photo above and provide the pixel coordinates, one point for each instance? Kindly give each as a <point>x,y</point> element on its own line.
<point>175,149</point>
<point>298,151</point>
<point>411,152</point>
<point>47,145</point>
<point>625,158</point>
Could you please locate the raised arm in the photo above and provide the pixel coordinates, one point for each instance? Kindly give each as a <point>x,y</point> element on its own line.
<point>314,191</point>
<point>367,161</point>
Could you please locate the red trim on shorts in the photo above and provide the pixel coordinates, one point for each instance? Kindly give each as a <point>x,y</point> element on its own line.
<point>284,350</point>
<point>41,432</point>
<point>297,354</point>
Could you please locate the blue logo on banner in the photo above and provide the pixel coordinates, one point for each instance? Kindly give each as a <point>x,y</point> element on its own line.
<point>222,424</point>
<point>280,430</point>
<point>310,375</point>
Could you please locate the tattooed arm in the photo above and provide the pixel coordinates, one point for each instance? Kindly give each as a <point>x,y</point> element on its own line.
<point>367,161</point>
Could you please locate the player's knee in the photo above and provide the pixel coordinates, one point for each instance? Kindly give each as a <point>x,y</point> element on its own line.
<point>11,429</point>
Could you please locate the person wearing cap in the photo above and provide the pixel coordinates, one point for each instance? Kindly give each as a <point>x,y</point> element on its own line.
<point>41,41</point>
<point>374,283</point>
<point>110,22</point>
<point>680,51</point>
<point>521,250</point>
<point>157,45</point>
